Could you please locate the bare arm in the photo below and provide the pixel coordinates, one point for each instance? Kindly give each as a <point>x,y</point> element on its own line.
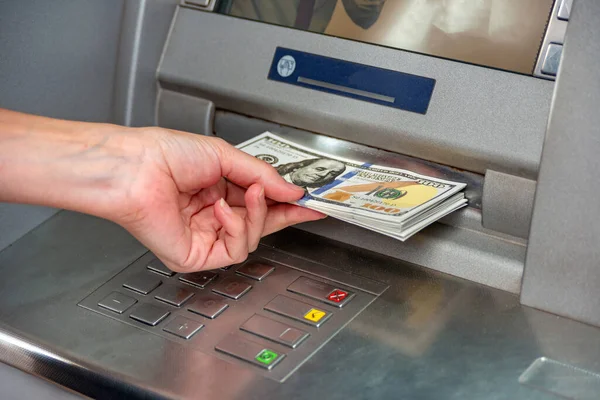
<point>195,201</point>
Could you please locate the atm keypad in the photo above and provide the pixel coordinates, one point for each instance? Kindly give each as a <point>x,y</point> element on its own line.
<point>270,316</point>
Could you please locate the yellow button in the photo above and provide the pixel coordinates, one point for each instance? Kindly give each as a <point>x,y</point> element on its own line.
<point>314,315</point>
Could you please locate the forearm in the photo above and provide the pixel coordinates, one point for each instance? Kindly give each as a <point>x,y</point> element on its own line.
<point>63,164</point>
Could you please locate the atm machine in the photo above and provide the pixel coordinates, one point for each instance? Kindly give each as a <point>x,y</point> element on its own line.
<point>499,300</point>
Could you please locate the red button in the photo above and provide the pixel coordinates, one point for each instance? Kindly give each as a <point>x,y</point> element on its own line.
<point>337,296</point>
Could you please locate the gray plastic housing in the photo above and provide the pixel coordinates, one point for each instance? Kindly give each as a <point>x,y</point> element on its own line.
<point>563,259</point>
<point>478,118</point>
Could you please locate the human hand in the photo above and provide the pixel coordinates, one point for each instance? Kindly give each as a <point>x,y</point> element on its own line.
<point>200,203</point>
<point>195,201</point>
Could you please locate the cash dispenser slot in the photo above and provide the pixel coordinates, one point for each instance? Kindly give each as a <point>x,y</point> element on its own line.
<point>446,246</point>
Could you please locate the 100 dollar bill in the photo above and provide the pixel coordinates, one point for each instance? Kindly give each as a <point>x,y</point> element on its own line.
<point>338,184</point>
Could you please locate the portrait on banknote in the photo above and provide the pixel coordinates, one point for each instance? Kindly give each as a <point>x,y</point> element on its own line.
<point>314,172</point>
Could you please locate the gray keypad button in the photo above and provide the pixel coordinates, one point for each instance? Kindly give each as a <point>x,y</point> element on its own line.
<point>552,59</point>
<point>564,9</point>
<point>299,311</point>
<point>199,279</point>
<point>251,352</point>
<point>256,270</point>
<point>174,295</point>
<point>321,291</point>
<point>143,283</point>
<point>274,330</point>
<point>117,302</point>
<point>183,327</point>
<point>157,266</point>
<point>232,287</point>
<point>201,3</point>
<point>208,305</point>
<point>149,314</point>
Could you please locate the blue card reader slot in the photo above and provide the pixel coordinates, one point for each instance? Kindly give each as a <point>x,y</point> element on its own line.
<point>362,82</point>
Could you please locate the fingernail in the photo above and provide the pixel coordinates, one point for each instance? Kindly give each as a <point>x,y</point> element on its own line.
<point>225,206</point>
<point>261,194</point>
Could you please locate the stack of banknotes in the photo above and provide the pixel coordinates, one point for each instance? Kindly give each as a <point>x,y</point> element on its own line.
<point>391,201</point>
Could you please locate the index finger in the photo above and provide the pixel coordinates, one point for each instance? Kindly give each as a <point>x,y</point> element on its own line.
<point>245,170</point>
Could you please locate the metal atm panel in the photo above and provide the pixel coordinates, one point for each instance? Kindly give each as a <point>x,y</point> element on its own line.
<point>82,303</point>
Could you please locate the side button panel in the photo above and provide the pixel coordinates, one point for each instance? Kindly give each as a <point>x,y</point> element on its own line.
<point>298,311</point>
<point>275,331</point>
<point>251,352</point>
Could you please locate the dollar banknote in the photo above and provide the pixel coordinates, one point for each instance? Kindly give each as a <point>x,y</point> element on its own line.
<point>391,201</point>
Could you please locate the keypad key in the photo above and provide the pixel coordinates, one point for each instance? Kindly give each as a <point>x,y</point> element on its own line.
<point>157,266</point>
<point>183,327</point>
<point>117,302</point>
<point>298,311</point>
<point>274,330</point>
<point>149,314</point>
<point>173,295</point>
<point>199,279</point>
<point>208,305</point>
<point>143,283</point>
<point>332,295</point>
<point>251,352</point>
<point>256,270</point>
<point>232,287</point>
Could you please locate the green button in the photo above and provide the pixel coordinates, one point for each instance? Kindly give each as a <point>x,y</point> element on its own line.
<point>266,356</point>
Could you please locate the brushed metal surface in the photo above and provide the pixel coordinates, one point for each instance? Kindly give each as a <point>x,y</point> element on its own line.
<point>428,336</point>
